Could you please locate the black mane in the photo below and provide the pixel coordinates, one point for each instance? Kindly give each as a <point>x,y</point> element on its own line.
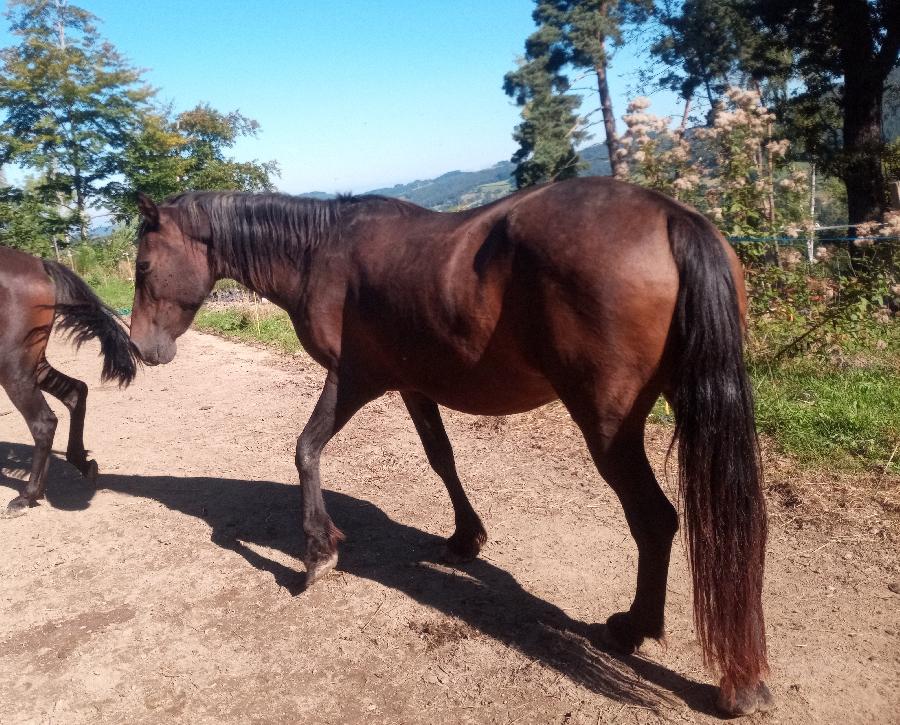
<point>248,233</point>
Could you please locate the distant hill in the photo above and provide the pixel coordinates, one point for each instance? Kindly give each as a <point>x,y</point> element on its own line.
<point>465,189</point>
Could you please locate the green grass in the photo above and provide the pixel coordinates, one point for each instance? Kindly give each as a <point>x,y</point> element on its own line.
<point>842,413</point>
<point>844,418</point>
<point>118,293</point>
<point>270,328</point>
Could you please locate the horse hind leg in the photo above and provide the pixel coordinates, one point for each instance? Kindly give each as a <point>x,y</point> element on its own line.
<point>73,394</point>
<point>27,398</point>
<point>616,443</point>
<point>653,523</point>
<point>469,536</point>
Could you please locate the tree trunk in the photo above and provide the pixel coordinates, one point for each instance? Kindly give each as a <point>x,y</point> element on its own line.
<point>863,91</point>
<point>80,204</point>
<point>686,115</point>
<point>863,174</point>
<point>618,167</point>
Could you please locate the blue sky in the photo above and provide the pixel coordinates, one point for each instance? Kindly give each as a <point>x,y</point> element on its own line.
<point>350,94</point>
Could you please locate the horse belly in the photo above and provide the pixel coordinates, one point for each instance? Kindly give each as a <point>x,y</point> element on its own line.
<point>494,385</point>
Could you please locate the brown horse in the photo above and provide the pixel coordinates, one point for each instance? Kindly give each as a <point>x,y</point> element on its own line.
<point>33,294</point>
<point>592,291</point>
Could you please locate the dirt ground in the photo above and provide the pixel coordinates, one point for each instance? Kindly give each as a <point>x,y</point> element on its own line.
<point>171,591</point>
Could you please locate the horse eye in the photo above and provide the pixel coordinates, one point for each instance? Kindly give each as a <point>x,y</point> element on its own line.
<point>143,267</point>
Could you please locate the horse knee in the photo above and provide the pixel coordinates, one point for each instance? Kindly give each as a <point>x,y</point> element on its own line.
<point>78,398</point>
<point>43,428</point>
<point>305,456</point>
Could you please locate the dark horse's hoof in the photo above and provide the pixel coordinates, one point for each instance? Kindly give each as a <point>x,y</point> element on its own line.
<point>90,471</point>
<point>618,634</point>
<point>87,468</point>
<point>315,570</point>
<point>744,700</point>
<point>18,506</point>
<point>461,549</point>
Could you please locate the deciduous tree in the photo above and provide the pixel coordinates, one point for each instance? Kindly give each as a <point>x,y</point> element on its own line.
<point>70,102</point>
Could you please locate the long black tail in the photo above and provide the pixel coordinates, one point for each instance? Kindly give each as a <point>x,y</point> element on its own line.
<point>720,473</point>
<point>81,314</point>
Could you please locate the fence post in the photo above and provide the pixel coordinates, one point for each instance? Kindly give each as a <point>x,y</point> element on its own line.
<point>811,237</point>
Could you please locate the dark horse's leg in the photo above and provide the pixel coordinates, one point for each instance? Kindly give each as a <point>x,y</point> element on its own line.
<point>616,443</point>
<point>26,396</point>
<point>653,522</point>
<point>338,402</point>
<point>73,394</point>
<point>470,535</point>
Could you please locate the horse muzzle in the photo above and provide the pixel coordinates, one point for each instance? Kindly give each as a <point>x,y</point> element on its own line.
<point>155,353</point>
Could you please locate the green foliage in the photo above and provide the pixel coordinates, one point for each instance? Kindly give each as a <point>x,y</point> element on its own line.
<point>708,45</point>
<point>892,160</point>
<point>117,292</point>
<point>269,327</point>
<point>80,116</point>
<point>29,222</point>
<point>550,128</point>
<point>71,103</point>
<point>590,24</point>
<point>207,134</point>
<point>112,255</point>
<point>823,68</point>
<point>189,153</point>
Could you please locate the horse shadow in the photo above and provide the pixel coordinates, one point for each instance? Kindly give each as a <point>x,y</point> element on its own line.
<point>398,556</point>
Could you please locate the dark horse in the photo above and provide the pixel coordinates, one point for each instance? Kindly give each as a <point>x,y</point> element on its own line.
<point>592,291</point>
<point>35,293</point>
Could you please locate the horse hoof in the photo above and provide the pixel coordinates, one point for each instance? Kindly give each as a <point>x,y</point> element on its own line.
<point>18,506</point>
<point>461,550</point>
<point>745,700</point>
<point>91,471</point>
<point>618,635</point>
<point>316,570</point>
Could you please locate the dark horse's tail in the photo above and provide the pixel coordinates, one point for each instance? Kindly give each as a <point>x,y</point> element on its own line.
<point>81,314</point>
<point>720,476</point>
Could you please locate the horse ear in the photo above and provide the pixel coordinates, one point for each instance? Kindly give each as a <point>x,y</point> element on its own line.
<point>148,209</point>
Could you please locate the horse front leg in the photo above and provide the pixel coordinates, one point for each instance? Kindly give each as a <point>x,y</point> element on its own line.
<point>340,399</point>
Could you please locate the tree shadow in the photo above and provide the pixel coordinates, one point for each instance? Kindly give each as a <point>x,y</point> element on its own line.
<point>402,557</point>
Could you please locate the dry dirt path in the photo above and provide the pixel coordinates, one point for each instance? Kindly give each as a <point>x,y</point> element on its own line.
<point>169,593</point>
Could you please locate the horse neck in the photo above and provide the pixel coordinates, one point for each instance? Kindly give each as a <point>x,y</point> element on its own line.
<point>284,287</point>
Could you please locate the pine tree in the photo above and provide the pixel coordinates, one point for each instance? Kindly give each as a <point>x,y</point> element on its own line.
<point>571,34</point>
<point>550,127</point>
<point>590,27</point>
